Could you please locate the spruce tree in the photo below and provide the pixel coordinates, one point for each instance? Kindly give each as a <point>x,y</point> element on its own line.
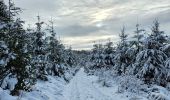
<point>39,53</point>
<point>3,12</point>
<point>70,60</point>
<point>121,59</point>
<point>15,40</point>
<point>139,34</point>
<point>135,45</point>
<point>97,57</point>
<point>109,54</point>
<point>21,64</point>
<point>149,64</point>
<point>5,57</point>
<point>56,50</point>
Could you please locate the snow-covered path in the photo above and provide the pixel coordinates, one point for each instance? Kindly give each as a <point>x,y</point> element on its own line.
<point>81,87</point>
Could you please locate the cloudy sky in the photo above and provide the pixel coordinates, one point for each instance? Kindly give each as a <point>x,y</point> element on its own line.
<point>81,22</point>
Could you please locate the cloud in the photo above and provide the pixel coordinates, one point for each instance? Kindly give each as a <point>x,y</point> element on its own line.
<point>77,30</point>
<point>95,18</point>
<point>87,42</point>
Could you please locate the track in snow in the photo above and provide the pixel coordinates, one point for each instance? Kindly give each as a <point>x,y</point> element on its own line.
<point>81,88</point>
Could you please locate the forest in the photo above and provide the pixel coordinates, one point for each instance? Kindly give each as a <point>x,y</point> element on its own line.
<point>137,67</point>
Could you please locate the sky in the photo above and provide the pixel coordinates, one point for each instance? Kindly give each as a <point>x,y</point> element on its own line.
<point>80,23</point>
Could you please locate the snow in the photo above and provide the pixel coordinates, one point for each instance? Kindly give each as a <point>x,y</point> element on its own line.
<point>2,62</point>
<point>83,87</point>
<point>9,83</point>
<point>158,93</point>
<point>4,95</point>
<point>49,90</point>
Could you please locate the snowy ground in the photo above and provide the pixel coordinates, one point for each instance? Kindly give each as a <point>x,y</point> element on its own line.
<point>50,90</point>
<point>81,87</point>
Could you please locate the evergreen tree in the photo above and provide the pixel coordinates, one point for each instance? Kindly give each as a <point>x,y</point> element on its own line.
<point>5,57</point>
<point>121,59</point>
<point>15,39</point>
<point>56,50</point>
<point>70,60</point>
<point>3,12</point>
<point>4,19</point>
<point>39,57</point>
<point>20,66</point>
<point>135,45</point>
<point>97,57</point>
<point>158,37</point>
<point>139,34</point>
<point>109,54</point>
<point>149,64</point>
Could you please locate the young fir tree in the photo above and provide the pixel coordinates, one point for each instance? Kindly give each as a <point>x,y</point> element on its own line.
<point>121,59</point>
<point>3,12</point>
<point>138,36</point>
<point>4,50</point>
<point>4,19</point>
<point>149,64</point>
<point>16,42</point>
<point>109,54</point>
<point>97,57</point>
<point>5,57</point>
<point>135,45</point>
<point>56,50</point>
<point>21,64</point>
<point>39,53</point>
<point>158,36</point>
<point>70,60</point>
<point>30,38</point>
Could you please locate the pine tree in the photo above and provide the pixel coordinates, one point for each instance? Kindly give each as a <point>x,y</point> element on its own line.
<point>4,50</point>
<point>4,19</point>
<point>56,51</point>
<point>39,53</point>
<point>70,60</point>
<point>71,63</point>
<point>19,66</point>
<point>97,57</point>
<point>15,39</point>
<point>135,45</point>
<point>3,12</point>
<point>149,64</point>
<point>121,59</point>
<point>158,36</point>
<point>109,54</point>
<point>5,57</point>
<point>139,34</point>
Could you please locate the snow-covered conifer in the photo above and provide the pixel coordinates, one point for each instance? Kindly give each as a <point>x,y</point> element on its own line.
<point>109,54</point>
<point>121,59</point>
<point>39,54</point>
<point>97,57</point>
<point>56,52</point>
<point>149,64</point>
